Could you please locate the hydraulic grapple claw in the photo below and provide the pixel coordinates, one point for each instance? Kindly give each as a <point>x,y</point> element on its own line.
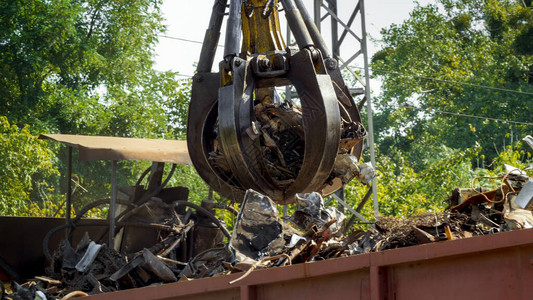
<point>242,134</point>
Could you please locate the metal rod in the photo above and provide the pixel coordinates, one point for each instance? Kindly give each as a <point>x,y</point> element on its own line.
<point>364,200</point>
<point>313,30</point>
<point>340,201</point>
<point>69,188</point>
<point>232,44</point>
<point>369,109</point>
<point>351,71</point>
<point>333,15</point>
<point>334,28</point>
<point>297,24</point>
<point>318,20</point>
<point>324,17</point>
<point>346,63</point>
<point>350,21</point>
<point>212,35</point>
<point>288,87</point>
<point>340,194</point>
<point>113,204</point>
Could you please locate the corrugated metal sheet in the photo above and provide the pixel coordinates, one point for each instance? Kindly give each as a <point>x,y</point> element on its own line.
<point>119,148</point>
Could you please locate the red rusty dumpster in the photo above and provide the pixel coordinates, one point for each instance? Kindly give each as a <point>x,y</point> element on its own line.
<point>497,266</point>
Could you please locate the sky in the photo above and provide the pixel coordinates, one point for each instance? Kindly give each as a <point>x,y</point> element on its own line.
<point>188,20</point>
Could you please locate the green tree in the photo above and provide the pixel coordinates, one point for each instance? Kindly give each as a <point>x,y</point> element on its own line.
<point>404,191</point>
<point>86,67</point>
<point>435,63</point>
<point>27,167</point>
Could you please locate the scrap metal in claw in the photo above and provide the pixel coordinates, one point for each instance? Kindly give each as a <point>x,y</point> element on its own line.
<point>224,138</point>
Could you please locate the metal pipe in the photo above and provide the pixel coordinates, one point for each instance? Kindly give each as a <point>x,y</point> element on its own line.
<point>232,44</point>
<point>313,30</point>
<point>113,204</point>
<point>96,203</point>
<point>147,196</point>
<point>288,87</point>
<point>334,28</point>
<point>318,19</point>
<point>69,188</point>
<point>370,135</point>
<point>211,37</point>
<point>206,213</point>
<point>297,24</point>
<point>139,181</point>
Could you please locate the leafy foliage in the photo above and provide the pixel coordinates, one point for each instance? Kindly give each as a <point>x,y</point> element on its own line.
<point>444,64</point>
<point>430,65</point>
<point>86,67</point>
<point>27,165</point>
<point>403,191</point>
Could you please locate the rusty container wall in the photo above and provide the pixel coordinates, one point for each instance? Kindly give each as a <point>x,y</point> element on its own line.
<point>21,242</point>
<point>497,266</point>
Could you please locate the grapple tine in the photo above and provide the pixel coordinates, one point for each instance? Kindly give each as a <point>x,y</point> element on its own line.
<point>201,135</point>
<point>239,143</point>
<point>321,120</point>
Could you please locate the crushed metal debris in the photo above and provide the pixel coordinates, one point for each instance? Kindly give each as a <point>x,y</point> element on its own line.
<point>281,132</point>
<point>189,239</point>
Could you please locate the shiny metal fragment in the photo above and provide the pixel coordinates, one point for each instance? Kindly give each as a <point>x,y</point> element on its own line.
<point>258,231</point>
<point>312,212</point>
<point>524,199</point>
<point>88,257</point>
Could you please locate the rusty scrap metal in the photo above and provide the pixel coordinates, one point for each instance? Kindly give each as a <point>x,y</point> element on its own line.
<point>258,231</point>
<point>261,239</point>
<point>96,268</point>
<point>529,140</point>
<point>119,148</point>
<point>524,199</point>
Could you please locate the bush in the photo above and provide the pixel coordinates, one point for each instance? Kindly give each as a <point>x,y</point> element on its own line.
<point>27,164</point>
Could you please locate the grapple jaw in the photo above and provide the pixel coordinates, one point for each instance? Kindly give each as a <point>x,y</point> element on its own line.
<point>242,135</point>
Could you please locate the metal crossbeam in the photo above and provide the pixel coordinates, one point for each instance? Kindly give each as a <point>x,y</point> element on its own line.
<point>329,8</point>
<point>352,18</point>
<point>348,207</point>
<point>346,27</point>
<point>347,63</point>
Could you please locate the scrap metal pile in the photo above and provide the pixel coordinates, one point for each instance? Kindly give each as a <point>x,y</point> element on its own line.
<point>190,245</point>
<point>280,130</point>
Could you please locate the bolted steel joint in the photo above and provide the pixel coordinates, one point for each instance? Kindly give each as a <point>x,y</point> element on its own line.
<point>315,54</point>
<point>263,63</point>
<point>278,61</point>
<point>198,78</point>
<point>331,63</point>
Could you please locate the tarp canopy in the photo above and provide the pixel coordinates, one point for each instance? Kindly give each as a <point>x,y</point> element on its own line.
<point>119,148</point>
